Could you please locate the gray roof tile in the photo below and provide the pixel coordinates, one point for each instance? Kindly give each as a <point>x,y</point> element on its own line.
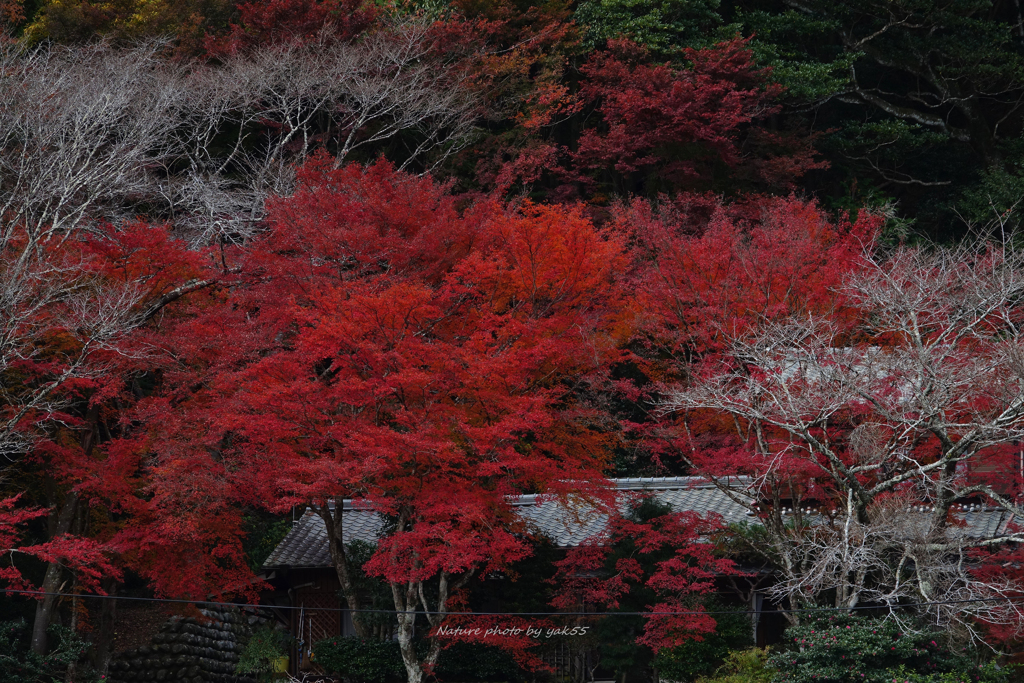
<point>306,543</point>
<point>986,523</point>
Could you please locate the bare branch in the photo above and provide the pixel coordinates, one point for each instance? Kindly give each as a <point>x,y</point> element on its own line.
<point>944,364</point>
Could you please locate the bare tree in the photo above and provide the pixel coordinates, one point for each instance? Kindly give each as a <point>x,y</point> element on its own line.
<point>281,102</point>
<point>872,432</point>
<point>80,130</point>
<point>89,133</point>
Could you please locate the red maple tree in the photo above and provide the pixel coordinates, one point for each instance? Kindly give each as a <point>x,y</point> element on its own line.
<point>74,314</point>
<point>381,345</point>
<point>592,575</point>
<point>706,269</point>
<point>659,127</point>
<point>85,557</point>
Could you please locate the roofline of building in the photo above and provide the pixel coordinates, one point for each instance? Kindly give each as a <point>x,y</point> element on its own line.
<point>621,484</point>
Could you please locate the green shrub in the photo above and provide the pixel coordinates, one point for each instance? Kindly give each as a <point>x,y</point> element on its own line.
<point>849,648</point>
<point>989,673</point>
<point>743,666</point>
<point>360,661</point>
<point>264,646</point>
<point>373,661</point>
<point>18,664</point>
<point>477,662</point>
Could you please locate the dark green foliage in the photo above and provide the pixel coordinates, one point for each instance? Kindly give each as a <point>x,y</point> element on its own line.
<point>476,662</point>
<point>374,661</point>
<point>989,673</point>
<point>521,587</point>
<point>917,98</point>
<point>263,531</point>
<point>18,664</point>
<point>849,648</point>
<point>663,26</point>
<point>702,657</point>
<point>799,50</point>
<point>996,198</point>
<point>360,661</point>
<point>375,593</point>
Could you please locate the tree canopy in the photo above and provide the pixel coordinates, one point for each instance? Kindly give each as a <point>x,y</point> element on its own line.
<point>430,256</point>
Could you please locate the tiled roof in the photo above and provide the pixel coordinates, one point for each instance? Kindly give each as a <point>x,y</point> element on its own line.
<point>974,521</point>
<point>978,522</point>
<point>986,523</point>
<point>306,543</point>
<point>569,527</point>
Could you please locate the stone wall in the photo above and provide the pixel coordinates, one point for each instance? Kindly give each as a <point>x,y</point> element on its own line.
<point>190,650</point>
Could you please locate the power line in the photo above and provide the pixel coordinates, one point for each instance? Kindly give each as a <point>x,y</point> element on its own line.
<point>799,610</point>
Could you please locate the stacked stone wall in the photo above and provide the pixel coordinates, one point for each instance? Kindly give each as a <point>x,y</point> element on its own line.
<point>190,650</point>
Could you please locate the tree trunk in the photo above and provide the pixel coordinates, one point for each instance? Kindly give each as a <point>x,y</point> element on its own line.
<point>65,519</point>
<point>52,579</point>
<point>103,633</point>
<point>406,604</point>
<point>336,544</point>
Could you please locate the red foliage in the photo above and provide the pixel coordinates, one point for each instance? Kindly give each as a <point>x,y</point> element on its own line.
<point>86,558</point>
<point>1001,567</point>
<point>702,267</point>
<point>703,271</point>
<point>685,125</point>
<point>300,22</point>
<point>649,107</point>
<point>11,521</point>
<point>379,344</point>
<point>520,68</point>
<point>653,127</point>
<point>12,13</point>
<point>586,576</point>
<point>80,325</point>
<point>183,530</point>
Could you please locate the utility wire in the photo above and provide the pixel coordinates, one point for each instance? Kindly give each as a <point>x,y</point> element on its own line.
<point>799,610</point>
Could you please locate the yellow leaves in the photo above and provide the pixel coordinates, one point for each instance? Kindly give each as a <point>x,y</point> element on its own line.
<point>145,13</point>
<point>75,20</point>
